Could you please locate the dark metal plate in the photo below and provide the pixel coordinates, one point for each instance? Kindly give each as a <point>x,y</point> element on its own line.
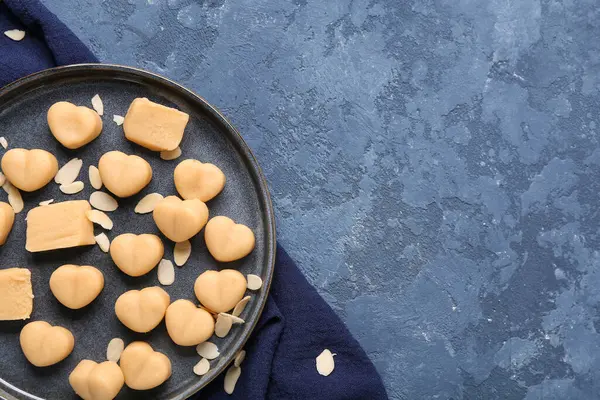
<point>209,137</point>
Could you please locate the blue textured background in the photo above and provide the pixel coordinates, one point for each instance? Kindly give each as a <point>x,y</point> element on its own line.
<point>433,165</point>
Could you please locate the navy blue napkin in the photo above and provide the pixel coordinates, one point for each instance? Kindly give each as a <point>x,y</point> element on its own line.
<point>296,324</point>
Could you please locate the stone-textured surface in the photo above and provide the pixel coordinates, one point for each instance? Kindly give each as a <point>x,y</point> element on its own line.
<point>433,165</point>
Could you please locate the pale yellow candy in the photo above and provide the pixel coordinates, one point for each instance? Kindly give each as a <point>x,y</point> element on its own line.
<point>29,170</point>
<point>76,286</point>
<point>136,255</point>
<point>195,180</point>
<point>16,294</point>
<point>187,324</point>
<point>124,175</point>
<point>44,344</point>
<point>7,219</point>
<point>154,126</point>
<point>179,219</point>
<point>220,291</point>
<point>142,310</point>
<point>73,126</point>
<point>93,381</point>
<point>226,240</point>
<point>143,367</point>
<point>59,226</point>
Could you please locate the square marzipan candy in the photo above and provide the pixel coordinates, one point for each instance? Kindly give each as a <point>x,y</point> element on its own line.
<point>154,126</point>
<point>59,226</point>
<point>16,295</point>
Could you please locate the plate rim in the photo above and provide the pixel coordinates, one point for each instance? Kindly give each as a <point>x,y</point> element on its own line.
<point>250,161</point>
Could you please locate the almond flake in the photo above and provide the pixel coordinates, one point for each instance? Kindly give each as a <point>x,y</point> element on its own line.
<point>2,179</point>
<point>114,349</point>
<point>147,204</point>
<point>98,217</point>
<point>103,201</point>
<point>239,307</point>
<point>208,350</point>
<point>325,363</point>
<point>16,202</point>
<point>166,272</point>
<point>14,197</point>
<point>97,104</point>
<point>8,187</point>
<point>72,188</point>
<point>202,367</point>
<point>235,320</point>
<point>4,142</point>
<point>46,202</point>
<point>254,282</point>
<point>231,377</point>
<point>15,34</point>
<point>239,358</point>
<point>118,119</point>
<point>182,252</point>
<point>223,325</point>
<point>103,242</point>
<point>171,154</point>
<point>95,179</point>
<point>68,172</point>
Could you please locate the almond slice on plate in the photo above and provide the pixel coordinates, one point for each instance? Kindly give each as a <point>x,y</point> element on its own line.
<point>103,242</point>
<point>46,202</point>
<point>100,218</point>
<point>202,367</point>
<point>4,142</point>
<point>171,154</point>
<point>68,172</point>
<point>239,358</point>
<point>2,179</point>
<point>114,349</point>
<point>14,196</point>
<point>235,320</point>
<point>97,104</point>
<point>223,325</point>
<point>231,377</point>
<point>16,201</point>
<point>103,201</point>
<point>15,34</point>
<point>240,306</point>
<point>118,119</point>
<point>254,282</point>
<point>208,350</point>
<point>182,252</point>
<point>147,204</point>
<point>325,363</point>
<point>166,272</point>
<point>95,179</point>
<point>72,188</point>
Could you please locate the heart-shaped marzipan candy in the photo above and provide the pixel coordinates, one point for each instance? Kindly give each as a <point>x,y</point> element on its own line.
<point>7,219</point>
<point>195,180</point>
<point>226,240</point>
<point>136,255</point>
<point>73,126</point>
<point>93,381</point>
<point>76,286</point>
<point>124,175</point>
<point>220,291</point>
<point>187,324</point>
<point>179,219</point>
<point>44,344</point>
<point>143,367</point>
<point>142,310</point>
<point>29,170</point>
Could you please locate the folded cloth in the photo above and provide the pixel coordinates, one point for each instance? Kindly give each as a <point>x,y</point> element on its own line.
<point>296,324</point>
